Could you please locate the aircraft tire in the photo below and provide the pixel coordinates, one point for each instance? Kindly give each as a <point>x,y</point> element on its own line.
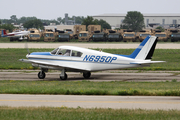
<point>86,75</point>
<point>64,77</point>
<point>41,76</point>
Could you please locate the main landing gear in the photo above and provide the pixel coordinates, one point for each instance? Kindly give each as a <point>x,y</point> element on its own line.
<point>86,75</point>
<point>63,75</point>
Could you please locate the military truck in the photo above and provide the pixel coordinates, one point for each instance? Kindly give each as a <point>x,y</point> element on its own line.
<point>49,35</point>
<point>142,34</point>
<point>84,36</point>
<point>92,28</point>
<point>113,35</point>
<point>162,36</point>
<point>77,29</point>
<point>70,33</point>
<point>95,33</point>
<point>35,35</point>
<point>173,34</point>
<point>63,37</point>
<point>128,35</point>
<point>99,36</point>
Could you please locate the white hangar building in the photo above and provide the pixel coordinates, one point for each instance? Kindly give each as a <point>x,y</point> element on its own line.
<point>115,20</point>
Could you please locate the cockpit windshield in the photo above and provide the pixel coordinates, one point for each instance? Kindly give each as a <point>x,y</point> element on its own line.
<point>54,51</point>
<point>66,52</point>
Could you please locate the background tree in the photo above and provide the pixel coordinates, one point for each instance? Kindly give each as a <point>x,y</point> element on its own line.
<point>9,27</point>
<point>78,19</point>
<point>36,23</point>
<point>104,24</point>
<point>134,20</point>
<point>0,22</point>
<point>59,19</point>
<point>89,21</point>
<point>160,28</point>
<point>14,18</point>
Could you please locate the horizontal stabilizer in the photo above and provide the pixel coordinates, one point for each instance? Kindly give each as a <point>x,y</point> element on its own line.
<point>146,62</point>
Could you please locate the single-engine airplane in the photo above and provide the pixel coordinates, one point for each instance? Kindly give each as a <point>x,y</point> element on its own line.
<point>15,34</point>
<point>76,59</point>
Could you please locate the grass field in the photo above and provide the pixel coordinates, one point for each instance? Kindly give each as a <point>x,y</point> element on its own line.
<point>9,58</point>
<point>90,88</point>
<point>63,113</point>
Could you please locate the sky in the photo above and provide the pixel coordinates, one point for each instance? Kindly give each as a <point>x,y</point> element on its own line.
<point>52,9</point>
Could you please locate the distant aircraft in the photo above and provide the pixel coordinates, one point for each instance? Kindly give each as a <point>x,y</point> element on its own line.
<point>76,59</point>
<point>15,34</point>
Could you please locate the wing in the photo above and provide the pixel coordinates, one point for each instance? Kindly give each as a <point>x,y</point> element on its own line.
<point>54,65</point>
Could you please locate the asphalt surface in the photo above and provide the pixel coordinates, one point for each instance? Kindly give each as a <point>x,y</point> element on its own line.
<point>75,101</point>
<point>88,45</point>
<point>112,75</point>
<point>115,102</point>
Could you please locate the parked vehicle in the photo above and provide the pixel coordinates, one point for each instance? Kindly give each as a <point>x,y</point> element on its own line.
<point>77,29</point>
<point>35,35</point>
<point>162,36</point>
<point>84,36</point>
<point>113,35</point>
<point>128,35</point>
<point>141,35</point>
<point>63,37</point>
<point>173,34</point>
<point>49,35</point>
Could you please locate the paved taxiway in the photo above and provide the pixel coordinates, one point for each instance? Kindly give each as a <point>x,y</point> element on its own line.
<point>112,75</point>
<point>116,102</point>
<point>89,45</point>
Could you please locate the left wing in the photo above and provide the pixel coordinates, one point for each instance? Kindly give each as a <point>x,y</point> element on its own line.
<point>60,66</point>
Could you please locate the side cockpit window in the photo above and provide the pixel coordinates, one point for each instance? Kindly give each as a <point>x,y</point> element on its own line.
<point>76,53</point>
<point>54,51</point>
<point>64,52</point>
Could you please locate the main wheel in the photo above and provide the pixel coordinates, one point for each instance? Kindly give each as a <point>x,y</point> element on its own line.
<point>63,77</point>
<point>86,75</point>
<point>41,75</point>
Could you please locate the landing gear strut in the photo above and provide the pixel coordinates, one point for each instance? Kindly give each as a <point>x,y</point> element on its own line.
<point>63,75</point>
<point>86,75</point>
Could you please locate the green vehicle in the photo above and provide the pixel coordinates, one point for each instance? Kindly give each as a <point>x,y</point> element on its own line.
<point>99,36</point>
<point>114,36</point>
<point>63,37</point>
<point>174,35</point>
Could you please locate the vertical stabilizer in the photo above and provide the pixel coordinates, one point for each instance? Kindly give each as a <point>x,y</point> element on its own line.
<point>146,49</point>
<point>3,33</point>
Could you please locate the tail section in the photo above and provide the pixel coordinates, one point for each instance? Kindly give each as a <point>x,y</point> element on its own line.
<point>146,49</point>
<point>3,33</point>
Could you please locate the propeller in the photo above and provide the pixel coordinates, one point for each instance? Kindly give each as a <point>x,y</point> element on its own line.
<point>26,46</point>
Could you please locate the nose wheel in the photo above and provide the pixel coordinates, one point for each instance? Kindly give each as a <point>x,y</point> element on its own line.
<point>41,75</point>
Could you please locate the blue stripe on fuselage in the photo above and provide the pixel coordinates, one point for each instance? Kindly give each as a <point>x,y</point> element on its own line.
<point>40,53</point>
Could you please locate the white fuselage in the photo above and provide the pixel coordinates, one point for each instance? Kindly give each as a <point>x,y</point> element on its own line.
<point>16,34</point>
<point>90,60</point>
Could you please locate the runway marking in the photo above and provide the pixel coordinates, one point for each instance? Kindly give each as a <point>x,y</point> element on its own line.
<point>143,102</point>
